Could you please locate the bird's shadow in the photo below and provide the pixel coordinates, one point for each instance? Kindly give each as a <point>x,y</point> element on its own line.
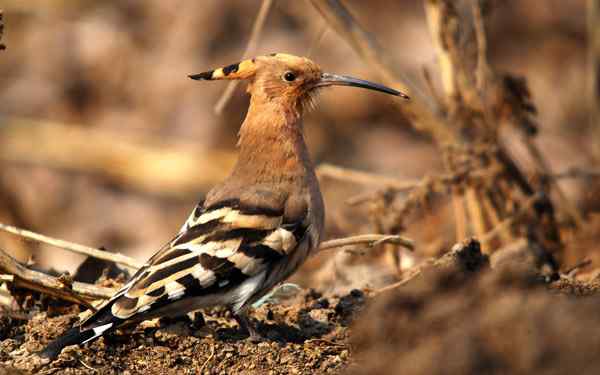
<point>306,328</point>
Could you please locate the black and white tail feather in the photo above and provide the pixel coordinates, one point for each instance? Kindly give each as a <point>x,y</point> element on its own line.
<point>225,254</point>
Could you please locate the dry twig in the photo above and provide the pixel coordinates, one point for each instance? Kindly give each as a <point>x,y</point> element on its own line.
<point>593,65</point>
<point>571,272</point>
<point>476,213</point>
<point>328,342</point>
<point>364,239</point>
<point>318,38</point>
<point>576,172</point>
<point>2,46</point>
<point>39,281</point>
<point>419,110</point>
<point>467,254</point>
<point>371,240</point>
<point>212,354</point>
<point>88,366</point>
<point>436,183</point>
<point>74,247</point>
<point>75,292</point>
<point>250,50</point>
<point>543,166</point>
<point>363,178</point>
<point>506,223</point>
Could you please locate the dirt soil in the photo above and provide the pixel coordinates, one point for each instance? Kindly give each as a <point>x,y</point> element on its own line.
<point>303,336</point>
<point>501,321</point>
<point>461,315</point>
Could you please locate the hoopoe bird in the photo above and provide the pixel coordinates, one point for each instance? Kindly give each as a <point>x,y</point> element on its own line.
<point>254,229</point>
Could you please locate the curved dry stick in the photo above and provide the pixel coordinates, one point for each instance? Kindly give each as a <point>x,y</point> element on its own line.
<point>370,240</point>
<point>364,178</point>
<point>78,292</point>
<point>74,247</point>
<point>365,239</point>
<point>461,251</point>
<point>75,292</point>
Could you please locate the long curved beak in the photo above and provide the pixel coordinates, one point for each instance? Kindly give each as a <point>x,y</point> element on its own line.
<point>328,79</point>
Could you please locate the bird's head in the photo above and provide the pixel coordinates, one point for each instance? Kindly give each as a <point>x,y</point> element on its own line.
<point>288,79</point>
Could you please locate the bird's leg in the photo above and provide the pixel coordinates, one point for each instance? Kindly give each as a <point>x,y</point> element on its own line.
<point>241,317</point>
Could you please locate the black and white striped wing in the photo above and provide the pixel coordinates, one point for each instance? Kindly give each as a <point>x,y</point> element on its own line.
<point>218,250</point>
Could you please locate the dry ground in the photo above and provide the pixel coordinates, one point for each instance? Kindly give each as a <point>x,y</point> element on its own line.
<point>459,316</point>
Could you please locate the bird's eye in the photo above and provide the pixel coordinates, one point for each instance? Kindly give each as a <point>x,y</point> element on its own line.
<point>289,76</point>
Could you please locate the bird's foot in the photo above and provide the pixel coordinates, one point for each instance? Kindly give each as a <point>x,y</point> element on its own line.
<point>255,337</point>
<point>248,328</point>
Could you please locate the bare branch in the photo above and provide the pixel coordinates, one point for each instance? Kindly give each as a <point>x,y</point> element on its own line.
<point>419,110</point>
<point>572,271</point>
<point>482,63</point>
<point>543,166</point>
<point>71,246</point>
<point>75,292</point>
<point>593,66</point>
<point>391,185</point>
<point>460,214</point>
<point>371,240</point>
<point>476,213</point>
<point>363,178</point>
<point>506,223</point>
<point>2,46</point>
<point>436,17</point>
<point>576,172</point>
<point>250,50</point>
<point>365,239</point>
<point>467,254</point>
<point>318,38</point>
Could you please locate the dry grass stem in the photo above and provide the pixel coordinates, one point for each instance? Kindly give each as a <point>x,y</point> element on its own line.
<point>257,28</point>
<point>571,272</point>
<point>544,168</point>
<point>363,178</point>
<point>2,46</point>
<point>505,224</point>
<point>460,215</point>
<point>371,240</point>
<point>576,172</point>
<point>476,214</point>
<point>467,251</point>
<point>481,75</point>
<point>419,110</point>
<point>593,66</point>
<point>212,354</point>
<point>318,38</point>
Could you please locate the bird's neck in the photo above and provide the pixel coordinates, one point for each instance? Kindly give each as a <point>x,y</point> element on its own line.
<point>271,144</point>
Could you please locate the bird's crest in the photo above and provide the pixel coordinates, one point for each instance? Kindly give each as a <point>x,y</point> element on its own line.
<point>241,70</point>
<point>247,68</point>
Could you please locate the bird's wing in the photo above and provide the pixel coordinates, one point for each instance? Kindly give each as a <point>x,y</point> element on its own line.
<point>217,249</point>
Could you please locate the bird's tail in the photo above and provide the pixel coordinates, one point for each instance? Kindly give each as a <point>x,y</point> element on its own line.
<point>95,326</point>
<point>73,336</point>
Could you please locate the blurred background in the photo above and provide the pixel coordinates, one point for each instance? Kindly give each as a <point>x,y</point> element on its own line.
<point>104,141</point>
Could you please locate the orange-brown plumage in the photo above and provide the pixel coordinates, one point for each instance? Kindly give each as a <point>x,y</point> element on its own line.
<point>255,228</point>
